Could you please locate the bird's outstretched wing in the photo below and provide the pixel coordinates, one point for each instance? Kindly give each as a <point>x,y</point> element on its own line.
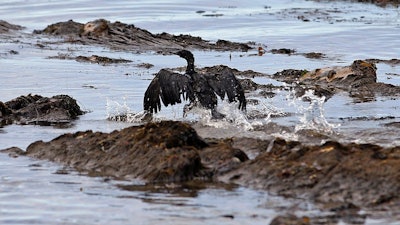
<point>225,83</point>
<point>168,86</point>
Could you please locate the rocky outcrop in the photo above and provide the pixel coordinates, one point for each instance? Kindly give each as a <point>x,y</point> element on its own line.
<point>6,27</point>
<point>333,174</point>
<point>118,35</point>
<point>167,151</point>
<point>36,109</point>
<point>359,79</point>
<point>102,60</point>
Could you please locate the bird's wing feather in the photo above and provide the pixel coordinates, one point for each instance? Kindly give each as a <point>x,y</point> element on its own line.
<point>168,86</point>
<point>225,83</point>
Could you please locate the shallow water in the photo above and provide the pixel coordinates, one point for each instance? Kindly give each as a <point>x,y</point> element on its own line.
<point>39,192</point>
<point>342,31</point>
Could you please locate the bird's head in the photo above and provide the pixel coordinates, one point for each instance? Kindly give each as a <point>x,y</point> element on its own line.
<point>186,55</point>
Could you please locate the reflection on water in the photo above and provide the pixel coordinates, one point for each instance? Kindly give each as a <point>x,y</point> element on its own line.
<point>41,192</point>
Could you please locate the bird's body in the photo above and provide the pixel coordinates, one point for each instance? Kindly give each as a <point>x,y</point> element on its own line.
<point>199,89</point>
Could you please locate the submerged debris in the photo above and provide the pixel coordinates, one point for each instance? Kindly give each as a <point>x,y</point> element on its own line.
<point>283,51</point>
<point>392,62</point>
<point>100,59</point>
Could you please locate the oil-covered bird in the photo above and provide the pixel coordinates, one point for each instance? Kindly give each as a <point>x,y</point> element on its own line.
<point>199,89</point>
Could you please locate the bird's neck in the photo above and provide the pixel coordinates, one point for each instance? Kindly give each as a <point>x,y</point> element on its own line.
<point>190,67</point>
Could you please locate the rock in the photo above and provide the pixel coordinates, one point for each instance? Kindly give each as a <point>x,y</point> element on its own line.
<point>222,157</point>
<point>359,79</point>
<point>13,152</point>
<point>167,151</point>
<point>36,109</point>
<point>393,124</point>
<point>287,51</point>
<point>63,28</point>
<point>145,65</point>
<point>232,45</point>
<point>356,175</point>
<point>6,27</point>
<point>283,51</point>
<point>314,55</point>
<point>118,35</point>
<point>290,220</point>
<point>356,75</point>
<point>4,110</point>
<point>336,176</point>
<point>100,59</point>
<point>391,62</point>
<point>382,3</point>
<point>22,101</point>
<point>289,75</point>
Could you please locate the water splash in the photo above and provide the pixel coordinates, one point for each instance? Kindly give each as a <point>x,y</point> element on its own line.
<point>256,115</point>
<point>234,117</point>
<point>115,109</point>
<point>312,115</point>
<point>121,112</point>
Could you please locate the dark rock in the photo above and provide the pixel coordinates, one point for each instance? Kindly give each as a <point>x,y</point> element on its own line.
<point>358,74</point>
<point>13,152</point>
<point>128,37</point>
<point>6,27</point>
<point>359,79</point>
<point>4,110</point>
<point>167,151</point>
<point>393,124</point>
<point>145,65</point>
<point>382,3</point>
<point>283,51</point>
<point>213,14</point>
<point>234,45</point>
<point>13,52</point>
<point>222,157</point>
<point>36,109</point>
<point>100,59</point>
<point>248,84</point>
<point>289,75</point>
<point>355,175</point>
<point>90,59</point>
<point>22,101</point>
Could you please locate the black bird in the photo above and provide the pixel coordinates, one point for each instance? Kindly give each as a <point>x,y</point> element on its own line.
<point>199,89</point>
